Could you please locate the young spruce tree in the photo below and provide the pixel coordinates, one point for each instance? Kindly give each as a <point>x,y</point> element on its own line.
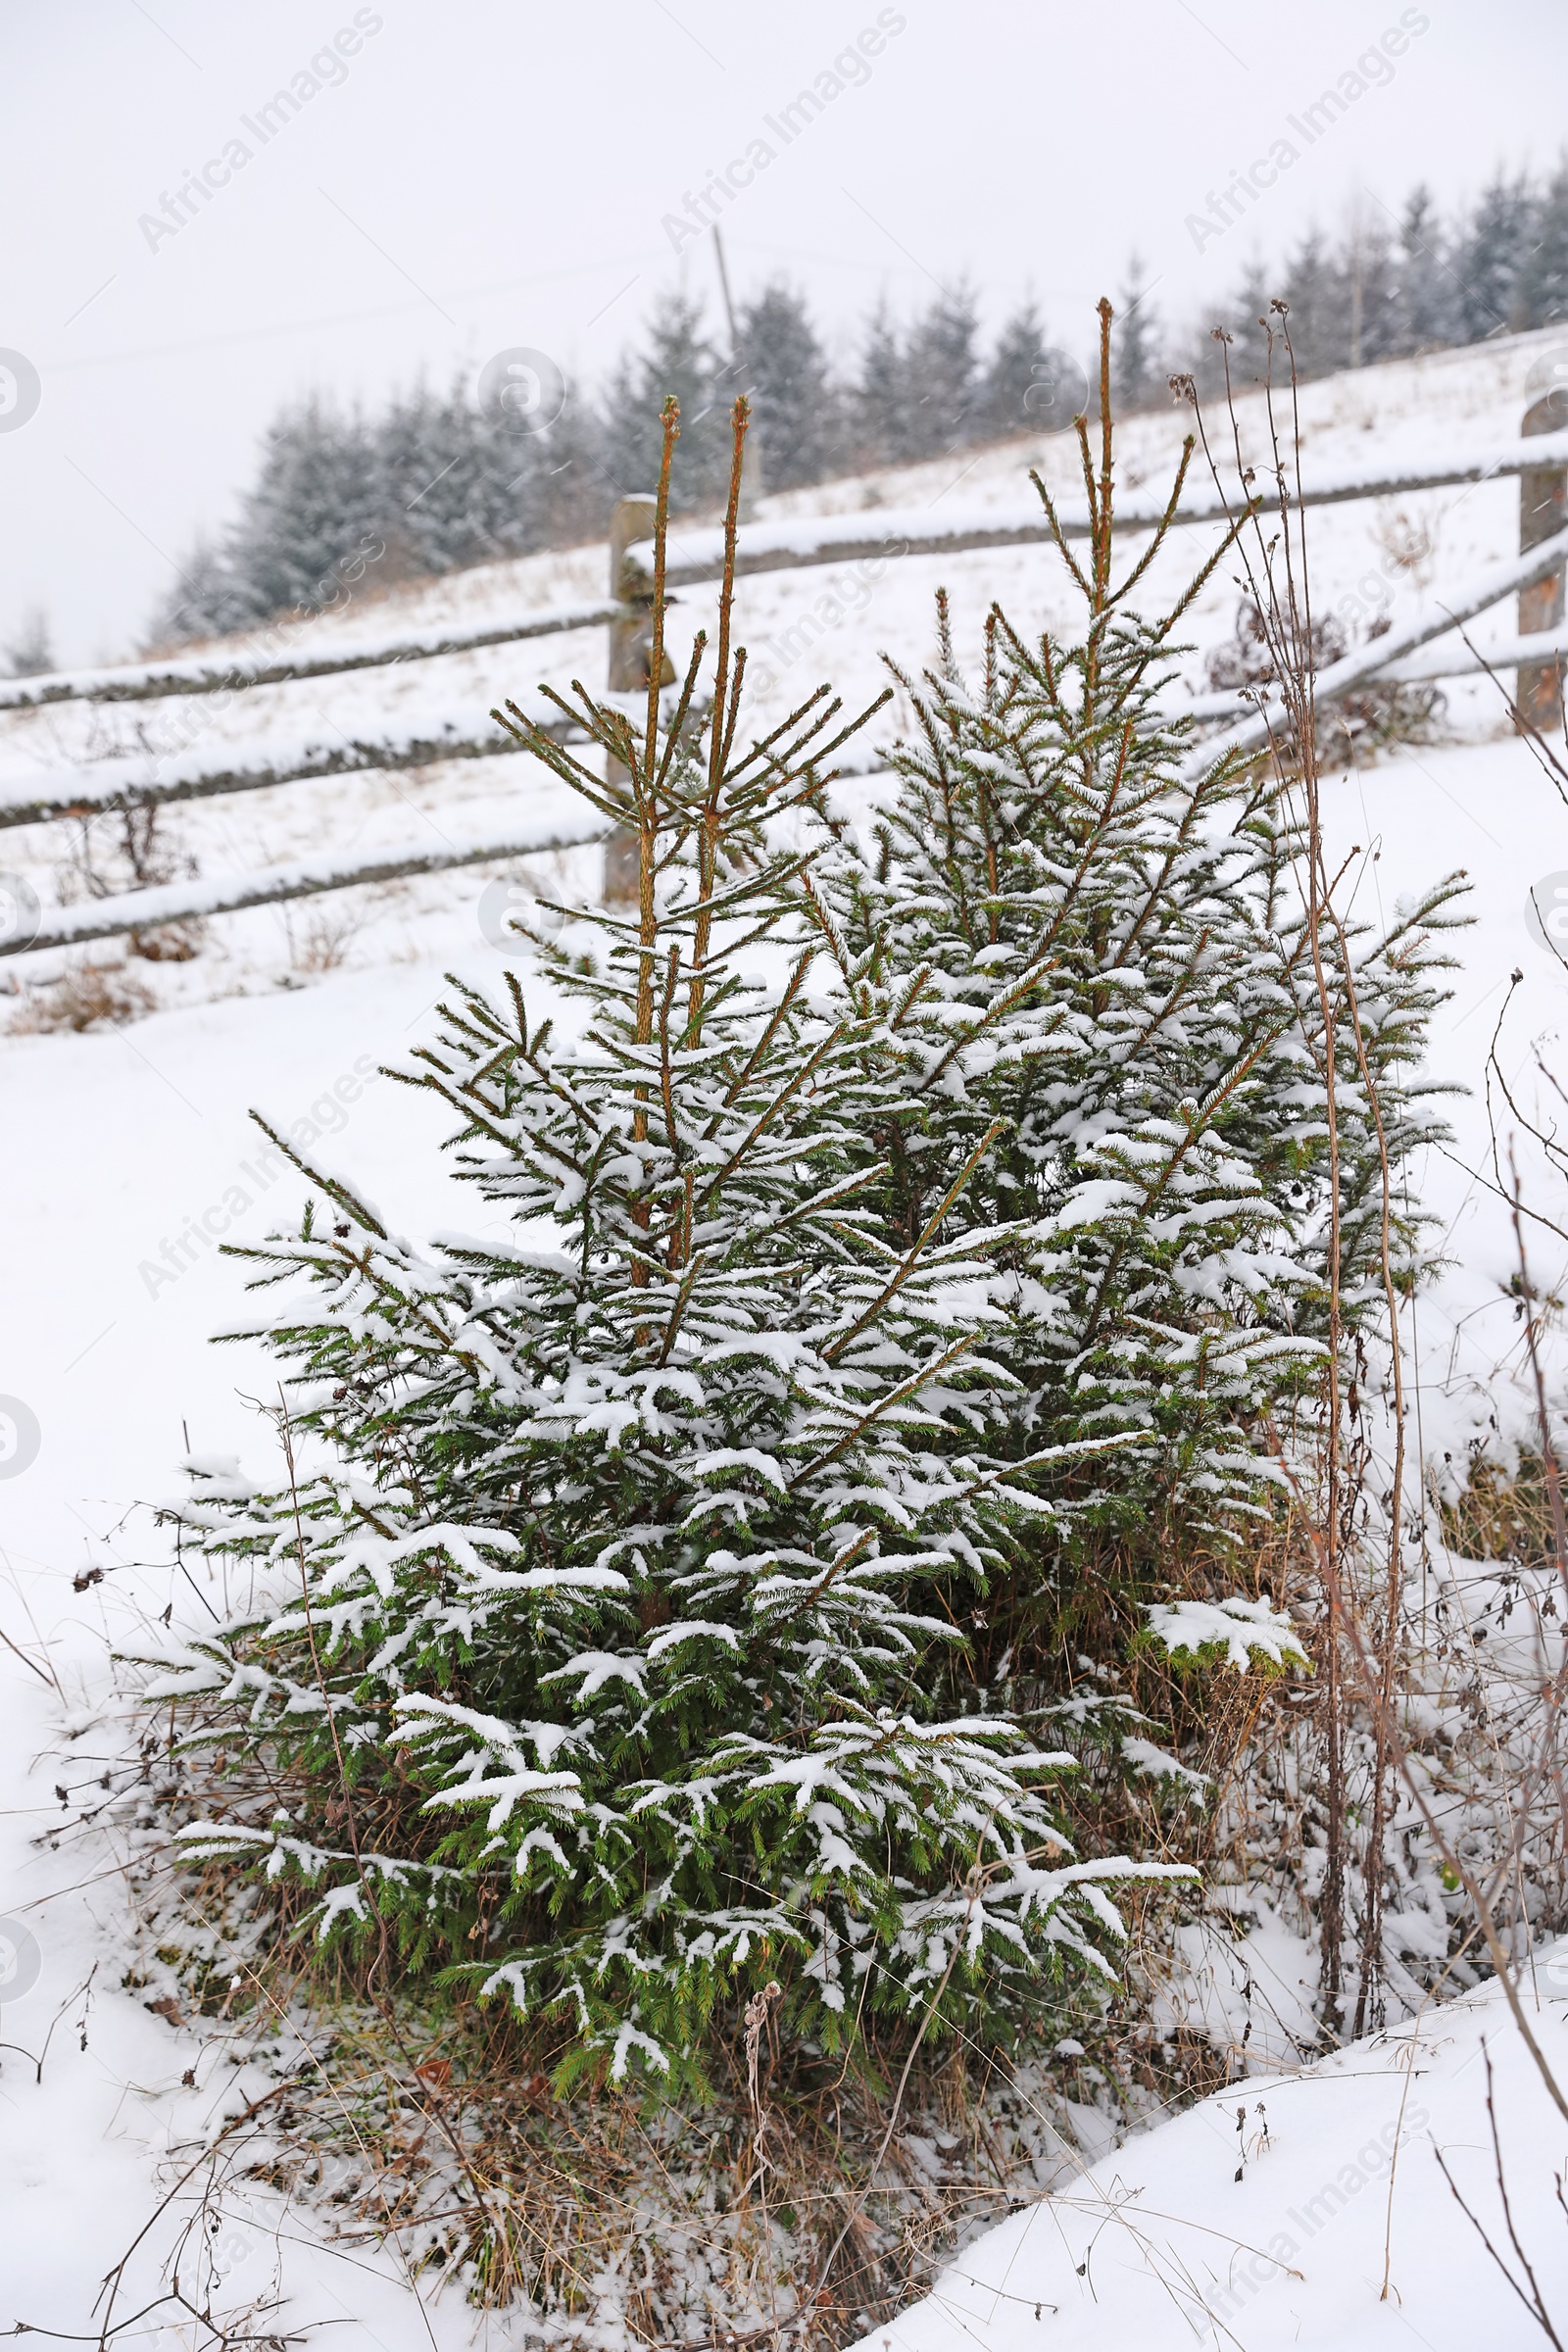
<point>591,1655</point>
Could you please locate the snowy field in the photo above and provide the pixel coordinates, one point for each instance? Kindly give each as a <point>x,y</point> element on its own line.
<point>129,1149</point>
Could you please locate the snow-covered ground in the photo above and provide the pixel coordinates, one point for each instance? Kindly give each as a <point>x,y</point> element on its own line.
<point>1307,2209</point>
<point>128,1154</point>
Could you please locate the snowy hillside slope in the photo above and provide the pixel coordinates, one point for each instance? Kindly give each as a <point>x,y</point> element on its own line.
<point>129,1156</point>
<point>1272,2213</point>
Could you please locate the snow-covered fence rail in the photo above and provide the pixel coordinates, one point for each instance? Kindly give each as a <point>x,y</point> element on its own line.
<point>696,556</point>
<point>153,681</point>
<point>576,828</point>
<point>784,546</point>
<point>144,782</point>
<point>1382,653</point>
<point>1545,647</point>
<point>561,822</point>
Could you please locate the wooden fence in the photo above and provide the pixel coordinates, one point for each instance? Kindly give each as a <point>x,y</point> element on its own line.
<point>1540,460</point>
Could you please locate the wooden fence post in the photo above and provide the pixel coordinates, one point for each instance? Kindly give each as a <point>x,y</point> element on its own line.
<point>630,646</point>
<point>1542,510</point>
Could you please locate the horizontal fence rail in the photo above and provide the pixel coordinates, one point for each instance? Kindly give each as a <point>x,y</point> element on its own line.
<point>786,545</point>
<point>141,911</point>
<point>113,784</point>
<point>145,781</point>
<point>1369,662</point>
<point>150,681</point>
<point>1415,669</point>
<point>570,826</point>
<point>697,556</point>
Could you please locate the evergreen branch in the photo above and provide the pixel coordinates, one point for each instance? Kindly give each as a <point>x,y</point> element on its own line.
<point>333,1187</point>
<point>1161,529</point>
<point>885,1404</point>
<point>670,421</point>
<point>916,989</point>
<point>1205,574</point>
<point>829,930</point>
<point>1103,582</point>
<point>667,1080</point>
<point>993,1012</point>
<point>477,1114</point>
<point>716,744</point>
<point>793,1086</point>
<point>770,1029</point>
<point>604,726</point>
<point>683,701</point>
<point>682,1301</point>
<point>1063,544</point>
<point>911,1258</point>
<point>1201,1120</point>
<point>819,1203</point>
<point>762,744</point>
<point>732,716</point>
<point>825,750</point>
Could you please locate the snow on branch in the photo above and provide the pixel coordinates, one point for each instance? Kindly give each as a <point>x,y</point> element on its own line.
<point>1229,1631</point>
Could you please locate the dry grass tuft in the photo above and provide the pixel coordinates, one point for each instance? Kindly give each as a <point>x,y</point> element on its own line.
<point>87,995</point>
<point>323,941</point>
<point>1500,1515</point>
<point>169,943</point>
<point>611,2208</point>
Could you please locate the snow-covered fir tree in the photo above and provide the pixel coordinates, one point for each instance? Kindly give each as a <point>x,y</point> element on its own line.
<point>1545,276</point>
<point>918,393</point>
<point>1318,281</point>
<point>1371,272</point>
<point>880,427</point>
<point>1137,378</point>
<point>1114,969</point>
<point>678,361</point>
<point>311,521</point>
<point>1491,260</point>
<point>591,1646</point>
<point>208,598</point>
<point>791,393</point>
<point>568,488</point>
<point>29,651</point>
<point>316,507</point>
<point>1428,289</point>
<point>940,366</point>
<point>448,496</point>
<point>1001,402</point>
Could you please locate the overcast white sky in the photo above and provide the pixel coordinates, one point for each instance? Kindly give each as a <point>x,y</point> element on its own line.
<point>493,172</point>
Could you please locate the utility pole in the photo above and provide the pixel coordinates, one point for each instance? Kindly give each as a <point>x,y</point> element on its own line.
<point>752,460</point>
